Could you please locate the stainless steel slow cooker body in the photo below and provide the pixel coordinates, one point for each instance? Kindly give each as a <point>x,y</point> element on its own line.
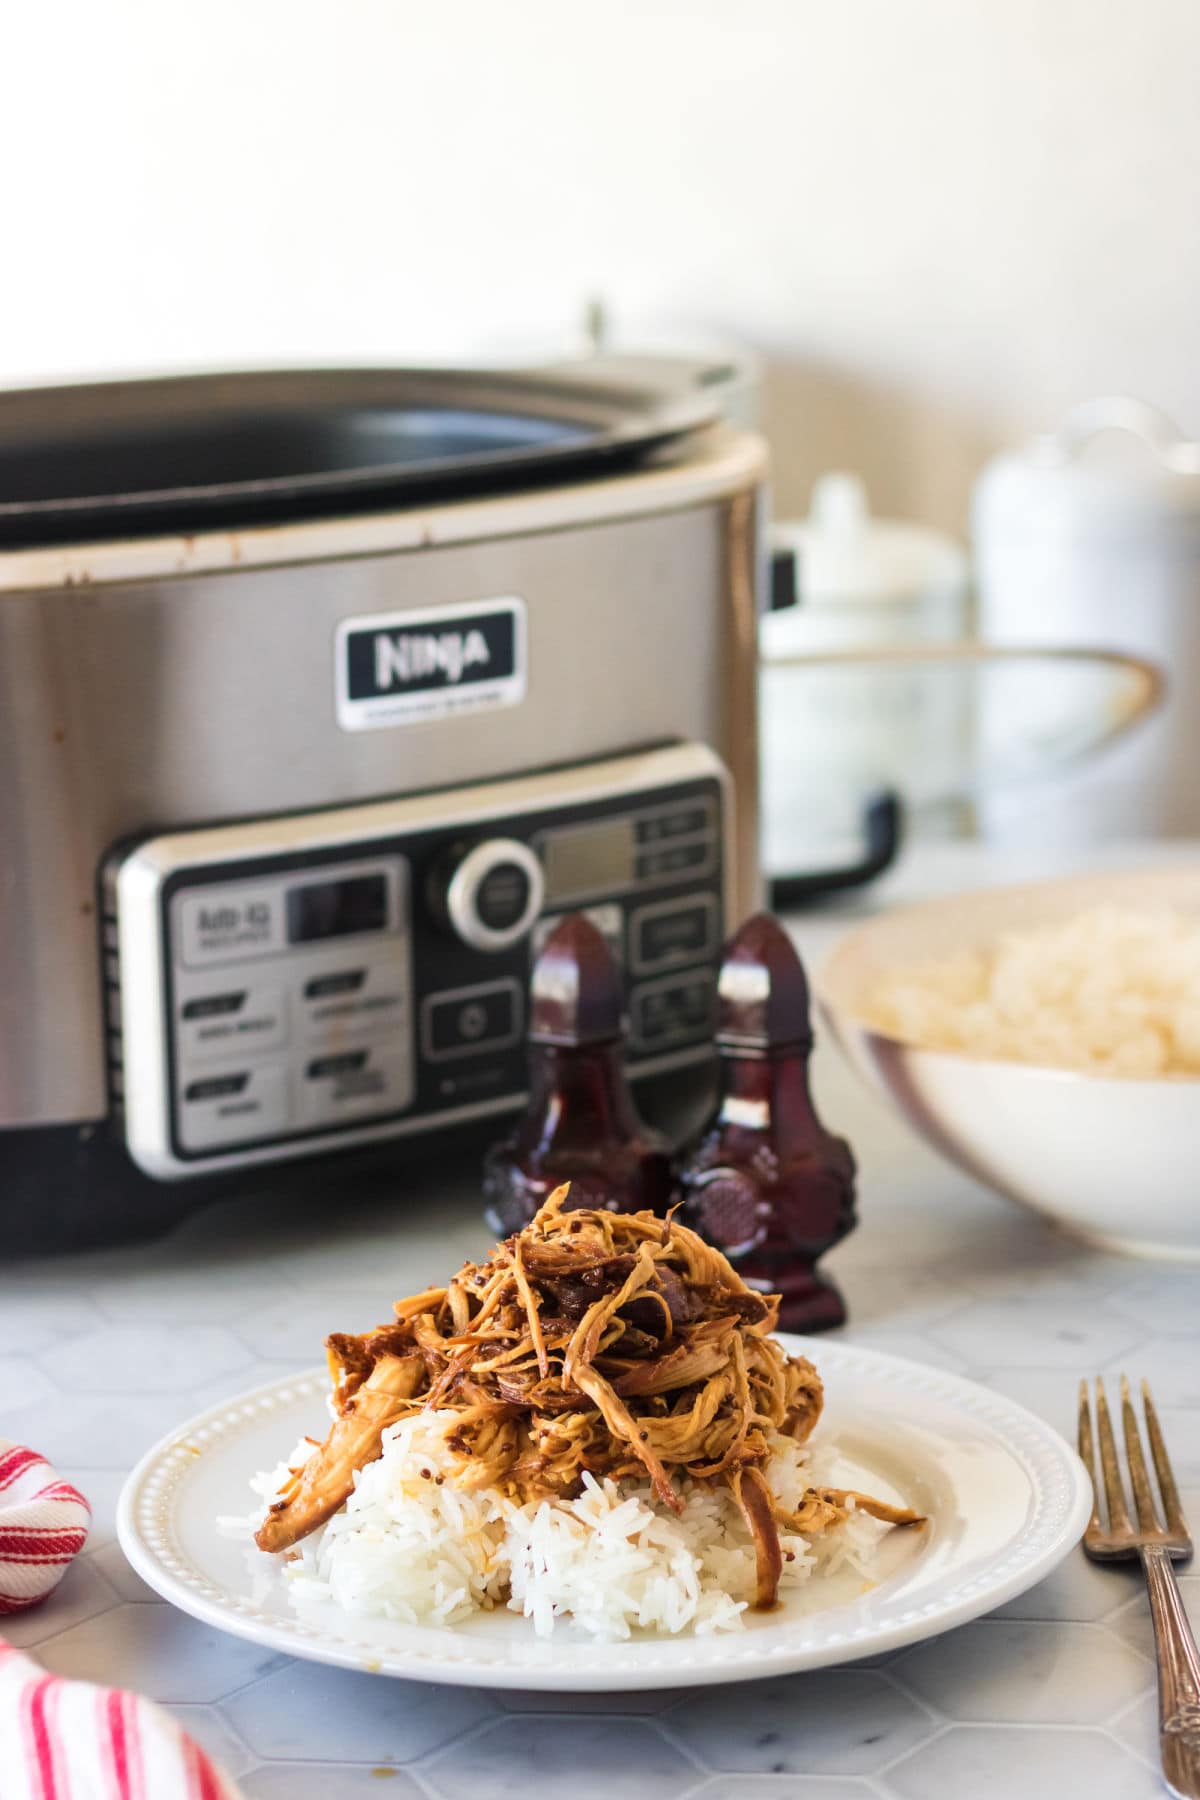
<point>156,680</point>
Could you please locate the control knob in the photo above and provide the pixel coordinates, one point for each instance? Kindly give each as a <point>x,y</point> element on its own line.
<point>489,893</point>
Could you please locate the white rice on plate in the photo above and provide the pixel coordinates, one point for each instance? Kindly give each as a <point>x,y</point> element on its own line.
<point>1112,991</point>
<point>412,1546</point>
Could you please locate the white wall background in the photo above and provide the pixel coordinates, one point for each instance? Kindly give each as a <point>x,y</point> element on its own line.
<point>941,220</point>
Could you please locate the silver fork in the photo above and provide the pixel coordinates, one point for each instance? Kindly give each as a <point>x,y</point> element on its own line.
<point>1158,1547</point>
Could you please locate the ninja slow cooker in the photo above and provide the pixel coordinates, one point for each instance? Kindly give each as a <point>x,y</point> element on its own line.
<point>323,694</point>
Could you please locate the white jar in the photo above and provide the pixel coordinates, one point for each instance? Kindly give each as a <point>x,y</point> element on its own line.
<point>833,737</point>
<point>1093,535</point>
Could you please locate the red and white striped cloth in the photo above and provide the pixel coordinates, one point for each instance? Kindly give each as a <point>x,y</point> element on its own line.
<point>69,1740</point>
<point>43,1526</point>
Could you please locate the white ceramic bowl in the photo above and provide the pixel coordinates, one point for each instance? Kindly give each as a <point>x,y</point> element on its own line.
<point>1114,1161</point>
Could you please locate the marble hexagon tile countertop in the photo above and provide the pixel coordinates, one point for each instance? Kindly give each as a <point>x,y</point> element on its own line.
<point>102,1353</point>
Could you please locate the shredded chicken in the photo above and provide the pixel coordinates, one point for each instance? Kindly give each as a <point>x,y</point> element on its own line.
<point>319,1486</point>
<point>613,1344</point>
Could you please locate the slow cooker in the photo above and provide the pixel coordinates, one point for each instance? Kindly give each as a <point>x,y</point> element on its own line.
<point>322,695</point>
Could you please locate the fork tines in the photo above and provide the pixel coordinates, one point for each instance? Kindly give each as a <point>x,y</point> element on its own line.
<point>1122,1538</point>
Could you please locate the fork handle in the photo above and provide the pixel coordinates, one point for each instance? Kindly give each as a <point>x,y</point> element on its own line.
<point>1178,1677</point>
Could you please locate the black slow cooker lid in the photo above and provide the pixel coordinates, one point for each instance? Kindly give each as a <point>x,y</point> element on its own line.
<point>203,452</point>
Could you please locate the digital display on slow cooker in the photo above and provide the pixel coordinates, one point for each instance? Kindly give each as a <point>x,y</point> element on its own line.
<point>330,909</point>
<point>588,859</point>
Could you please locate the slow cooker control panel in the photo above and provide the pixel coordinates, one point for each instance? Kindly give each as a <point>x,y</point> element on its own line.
<point>281,986</point>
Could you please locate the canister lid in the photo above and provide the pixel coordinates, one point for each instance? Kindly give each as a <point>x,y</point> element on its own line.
<point>846,558</point>
<point>1116,467</point>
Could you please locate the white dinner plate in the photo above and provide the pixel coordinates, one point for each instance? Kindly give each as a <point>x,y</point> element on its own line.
<point>1006,1500</point>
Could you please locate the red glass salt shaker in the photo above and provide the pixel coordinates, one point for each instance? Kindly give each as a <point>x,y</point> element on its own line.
<point>581,1124</point>
<point>767,1184</point>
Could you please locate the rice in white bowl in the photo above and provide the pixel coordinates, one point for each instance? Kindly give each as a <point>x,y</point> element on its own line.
<point>1112,991</point>
<point>413,1546</point>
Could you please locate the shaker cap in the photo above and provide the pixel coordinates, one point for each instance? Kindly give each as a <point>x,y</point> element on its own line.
<point>575,995</point>
<point>762,991</point>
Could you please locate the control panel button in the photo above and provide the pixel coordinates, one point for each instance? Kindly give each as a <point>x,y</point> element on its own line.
<point>233,1106</point>
<point>466,1021</point>
<point>346,1062</point>
<point>249,1016</point>
<point>654,863</point>
<point>348,1085</point>
<point>230,923</point>
<point>216,1087</point>
<point>673,1011</point>
<point>502,897</point>
<point>472,1022</point>
<point>213,1006</point>
<point>685,821</point>
<point>674,932</point>
<point>339,981</point>
<point>491,893</point>
<point>352,1003</point>
<point>609,921</point>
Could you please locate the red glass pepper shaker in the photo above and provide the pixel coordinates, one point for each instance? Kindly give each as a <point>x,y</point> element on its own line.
<point>581,1124</point>
<point>767,1183</point>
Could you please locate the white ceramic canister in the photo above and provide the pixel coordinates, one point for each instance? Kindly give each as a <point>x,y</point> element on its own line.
<point>1093,535</point>
<point>831,739</point>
